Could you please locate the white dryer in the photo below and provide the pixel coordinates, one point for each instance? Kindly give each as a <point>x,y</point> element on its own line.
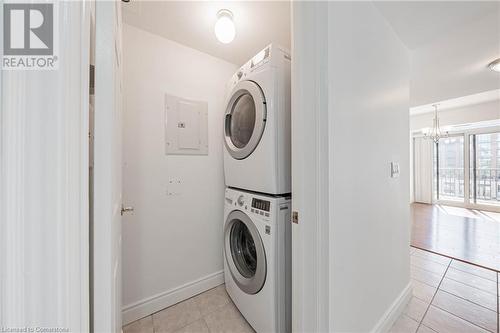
<point>257,124</point>
<point>257,258</point>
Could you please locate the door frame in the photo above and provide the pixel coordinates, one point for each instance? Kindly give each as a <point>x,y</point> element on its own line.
<point>311,269</point>
<point>106,268</point>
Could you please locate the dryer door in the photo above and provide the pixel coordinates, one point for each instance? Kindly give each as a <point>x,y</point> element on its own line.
<point>245,119</point>
<point>244,252</point>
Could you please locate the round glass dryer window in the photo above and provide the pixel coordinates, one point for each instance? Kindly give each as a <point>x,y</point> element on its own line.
<point>242,120</point>
<point>243,249</point>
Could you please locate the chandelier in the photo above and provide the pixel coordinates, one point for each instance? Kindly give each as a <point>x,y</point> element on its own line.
<point>436,133</point>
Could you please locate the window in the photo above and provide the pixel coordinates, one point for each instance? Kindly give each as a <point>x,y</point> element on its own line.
<point>450,169</point>
<point>481,184</point>
<point>484,168</point>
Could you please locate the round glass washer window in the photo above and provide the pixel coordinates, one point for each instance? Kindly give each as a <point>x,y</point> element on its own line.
<point>243,249</point>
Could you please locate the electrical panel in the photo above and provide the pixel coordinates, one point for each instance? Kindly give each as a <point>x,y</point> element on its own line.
<point>186,126</point>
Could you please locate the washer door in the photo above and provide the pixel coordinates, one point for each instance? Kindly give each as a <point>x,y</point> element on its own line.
<point>244,252</point>
<point>245,119</point>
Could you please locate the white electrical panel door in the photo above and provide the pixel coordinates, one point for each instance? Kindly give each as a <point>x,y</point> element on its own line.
<point>186,126</point>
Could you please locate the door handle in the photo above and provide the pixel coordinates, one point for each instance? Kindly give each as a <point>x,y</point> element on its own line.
<point>126,210</point>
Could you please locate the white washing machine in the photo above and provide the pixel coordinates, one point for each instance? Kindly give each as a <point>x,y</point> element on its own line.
<point>257,258</point>
<point>257,124</point>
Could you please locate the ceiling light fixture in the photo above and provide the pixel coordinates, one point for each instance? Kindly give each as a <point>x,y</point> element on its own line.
<point>495,65</point>
<point>224,27</point>
<point>435,134</point>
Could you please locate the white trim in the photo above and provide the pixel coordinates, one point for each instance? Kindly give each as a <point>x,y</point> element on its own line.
<point>170,297</point>
<point>394,311</point>
<point>310,169</point>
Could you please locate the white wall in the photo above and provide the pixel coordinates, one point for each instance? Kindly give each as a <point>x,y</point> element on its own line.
<point>369,124</point>
<point>458,116</point>
<point>169,242</point>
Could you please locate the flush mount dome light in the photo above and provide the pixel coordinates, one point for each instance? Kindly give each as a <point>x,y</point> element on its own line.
<point>495,65</point>
<point>224,27</point>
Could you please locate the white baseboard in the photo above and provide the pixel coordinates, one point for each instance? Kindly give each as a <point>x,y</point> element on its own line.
<point>394,311</point>
<point>170,297</point>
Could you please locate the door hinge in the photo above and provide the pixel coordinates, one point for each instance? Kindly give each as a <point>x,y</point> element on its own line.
<point>295,217</point>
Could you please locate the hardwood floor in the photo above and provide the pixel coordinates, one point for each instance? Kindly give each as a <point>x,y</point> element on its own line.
<point>471,236</point>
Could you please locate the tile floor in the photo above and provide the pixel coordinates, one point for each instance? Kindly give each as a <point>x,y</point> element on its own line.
<point>212,311</point>
<point>449,296</point>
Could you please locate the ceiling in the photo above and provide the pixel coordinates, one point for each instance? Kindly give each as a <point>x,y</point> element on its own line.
<point>258,23</point>
<point>450,43</point>
<point>418,23</point>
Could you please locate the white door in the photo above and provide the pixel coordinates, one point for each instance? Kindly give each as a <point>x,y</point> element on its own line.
<point>107,169</point>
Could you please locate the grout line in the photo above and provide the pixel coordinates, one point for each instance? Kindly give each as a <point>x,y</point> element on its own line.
<point>423,282</point>
<point>454,258</point>
<point>430,303</point>
<point>476,288</point>
<point>474,266</point>
<point>431,329</point>
<point>470,322</point>
<point>430,258</point>
<point>465,299</point>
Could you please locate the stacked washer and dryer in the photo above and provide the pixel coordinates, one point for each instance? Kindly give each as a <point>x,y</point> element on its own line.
<point>257,231</point>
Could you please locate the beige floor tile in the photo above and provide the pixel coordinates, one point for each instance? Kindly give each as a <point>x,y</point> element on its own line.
<point>227,319</point>
<point>469,293</point>
<point>144,325</point>
<point>428,265</point>
<point>482,272</point>
<point>212,299</point>
<point>176,317</point>
<point>425,276</point>
<point>444,322</point>
<point>199,326</point>
<point>404,324</point>
<point>432,257</point>
<point>472,280</point>
<point>416,309</point>
<point>425,329</point>
<point>471,312</point>
<point>423,291</point>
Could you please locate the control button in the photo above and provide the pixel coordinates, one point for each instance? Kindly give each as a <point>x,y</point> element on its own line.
<point>261,213</point>
<point>253,210</point>
<point>267,214</point>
